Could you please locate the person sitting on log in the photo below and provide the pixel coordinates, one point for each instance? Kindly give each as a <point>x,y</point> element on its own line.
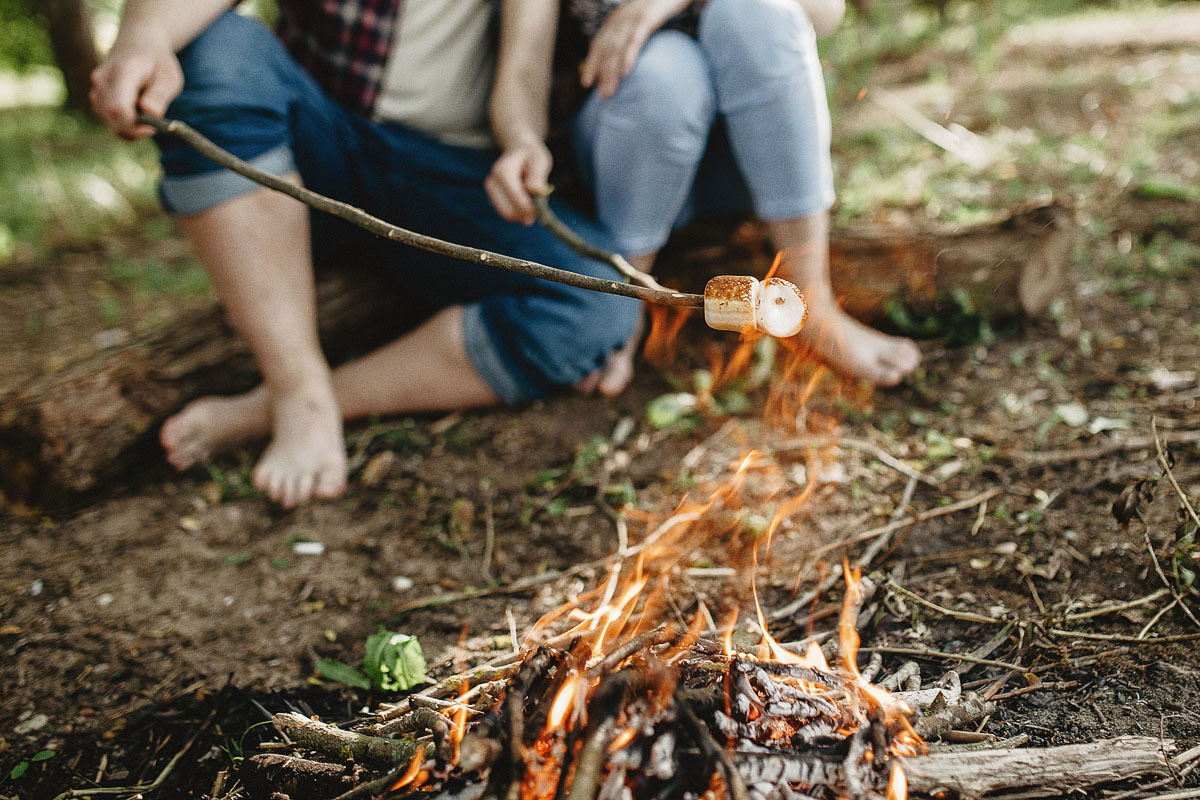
<point>695,108</point>
<point>381,104</point>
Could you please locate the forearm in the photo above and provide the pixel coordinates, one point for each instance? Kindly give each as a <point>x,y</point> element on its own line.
<point>173,23</point>
<point>520,103</point>
<point>825,15</point>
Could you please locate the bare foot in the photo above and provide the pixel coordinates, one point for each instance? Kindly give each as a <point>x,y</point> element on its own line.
<point>306,457</point>
<point>211,425</point>
<point>611,379</point>
<point>856,350</point>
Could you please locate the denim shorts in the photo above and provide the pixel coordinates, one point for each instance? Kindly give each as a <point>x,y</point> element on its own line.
<point>524,335</point>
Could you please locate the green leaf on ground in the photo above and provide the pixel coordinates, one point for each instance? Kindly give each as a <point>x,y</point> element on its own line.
<point>343,673</point>
<point>394,661</point>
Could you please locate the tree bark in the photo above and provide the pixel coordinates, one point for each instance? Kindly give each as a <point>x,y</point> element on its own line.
<point>1044,771</point>
<point>74,45</point>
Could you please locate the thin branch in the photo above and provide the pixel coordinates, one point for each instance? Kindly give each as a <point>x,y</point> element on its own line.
<point>874,533</point>
<point>1117,637</point>
<point>146,787</point>
<point>1112,609</point>
<point>563,233</point>
<point>1166,581</point>
<point>394,233</point>
<point>1162,460</point>
<point>916,651</point>
<point>966,616</point>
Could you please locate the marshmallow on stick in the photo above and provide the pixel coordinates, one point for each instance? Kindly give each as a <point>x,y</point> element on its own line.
<point>743,303</point>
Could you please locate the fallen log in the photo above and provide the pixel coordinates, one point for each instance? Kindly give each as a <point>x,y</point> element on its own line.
<point>1037,772</point>
<point>68,435</point>
<point>1015,266</point>
<point>63,435</point>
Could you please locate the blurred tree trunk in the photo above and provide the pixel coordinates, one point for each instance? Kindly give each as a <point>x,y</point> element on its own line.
<point>70,28</point>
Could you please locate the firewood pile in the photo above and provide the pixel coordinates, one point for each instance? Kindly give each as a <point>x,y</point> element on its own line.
<point>670,715</point>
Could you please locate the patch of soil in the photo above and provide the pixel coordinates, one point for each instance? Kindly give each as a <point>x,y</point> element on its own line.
<point>180,605</point>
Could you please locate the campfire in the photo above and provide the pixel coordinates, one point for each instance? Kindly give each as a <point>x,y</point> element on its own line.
<point>634,691</point>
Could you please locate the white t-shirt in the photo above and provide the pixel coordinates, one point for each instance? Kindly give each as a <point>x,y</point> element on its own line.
<point>439,72</point>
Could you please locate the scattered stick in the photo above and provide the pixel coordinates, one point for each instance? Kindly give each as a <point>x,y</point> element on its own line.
<point>344,745</point>
<point>1114,608</point>
<point>966,616</point>
<point>874,533</point>
<point>1117,637</point>
<point>1166,466</point>
<point>1051,770</point>
<point>916,651</point>
<point>1096,453</point>
<point>1037,687</point>
<point>564,234</point>
<point>379,227</point>
<point>145,787</point>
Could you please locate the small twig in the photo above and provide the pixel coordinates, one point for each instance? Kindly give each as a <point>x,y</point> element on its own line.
<point>966,616</point>
<point>145,787</point>
<point>874,533</point>
<point>571,239</point>
<point>1112,609</point>
<point>1096,453</point>
<point>379,227</point>
<point>1166,581</point>
<point>916,651</point>
<point>1162,460</point>
<point>863,446</point>
<point>1154,620</point>
<point>1037,687</point>
<point>1116,637</point>
<point>988,743</point>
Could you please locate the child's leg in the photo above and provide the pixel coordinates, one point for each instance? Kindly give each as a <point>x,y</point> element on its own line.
<point>254,244</point>
<point>771,93</point>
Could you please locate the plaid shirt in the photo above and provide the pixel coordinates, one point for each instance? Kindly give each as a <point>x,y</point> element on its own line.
<point>344,44</point>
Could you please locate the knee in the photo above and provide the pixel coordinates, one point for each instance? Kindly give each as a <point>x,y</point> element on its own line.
<point>764,39</point>
<point>230,60</point>
<point>668,96</point>
<point>554,341</point>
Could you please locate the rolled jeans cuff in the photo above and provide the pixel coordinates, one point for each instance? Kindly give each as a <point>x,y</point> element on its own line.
<point>183,195</point>
<point>485,356</point>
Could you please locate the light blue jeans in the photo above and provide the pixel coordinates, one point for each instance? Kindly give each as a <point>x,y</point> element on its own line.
<point>732,120</point>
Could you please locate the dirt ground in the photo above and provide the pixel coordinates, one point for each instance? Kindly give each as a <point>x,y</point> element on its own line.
<point>176,602</point>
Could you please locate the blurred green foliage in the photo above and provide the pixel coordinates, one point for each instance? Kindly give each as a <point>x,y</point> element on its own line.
<point>23,39</point>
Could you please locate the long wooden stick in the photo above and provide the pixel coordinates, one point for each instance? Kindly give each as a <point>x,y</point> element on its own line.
<point>1047,771</point>
<point>387,230</point>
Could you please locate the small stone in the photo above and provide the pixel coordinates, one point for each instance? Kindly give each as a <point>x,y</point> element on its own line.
<point>402,583</point>
<point>190,524</point>
<point>34,723</point>
<point>105,599</point>
<point>36,587</point>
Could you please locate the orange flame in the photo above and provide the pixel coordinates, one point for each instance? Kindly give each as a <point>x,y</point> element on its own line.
<point>563,703</point>
<point>458,727</point>
<point>848,640</point>
<point>897,788</point>
<point>412,775</point>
